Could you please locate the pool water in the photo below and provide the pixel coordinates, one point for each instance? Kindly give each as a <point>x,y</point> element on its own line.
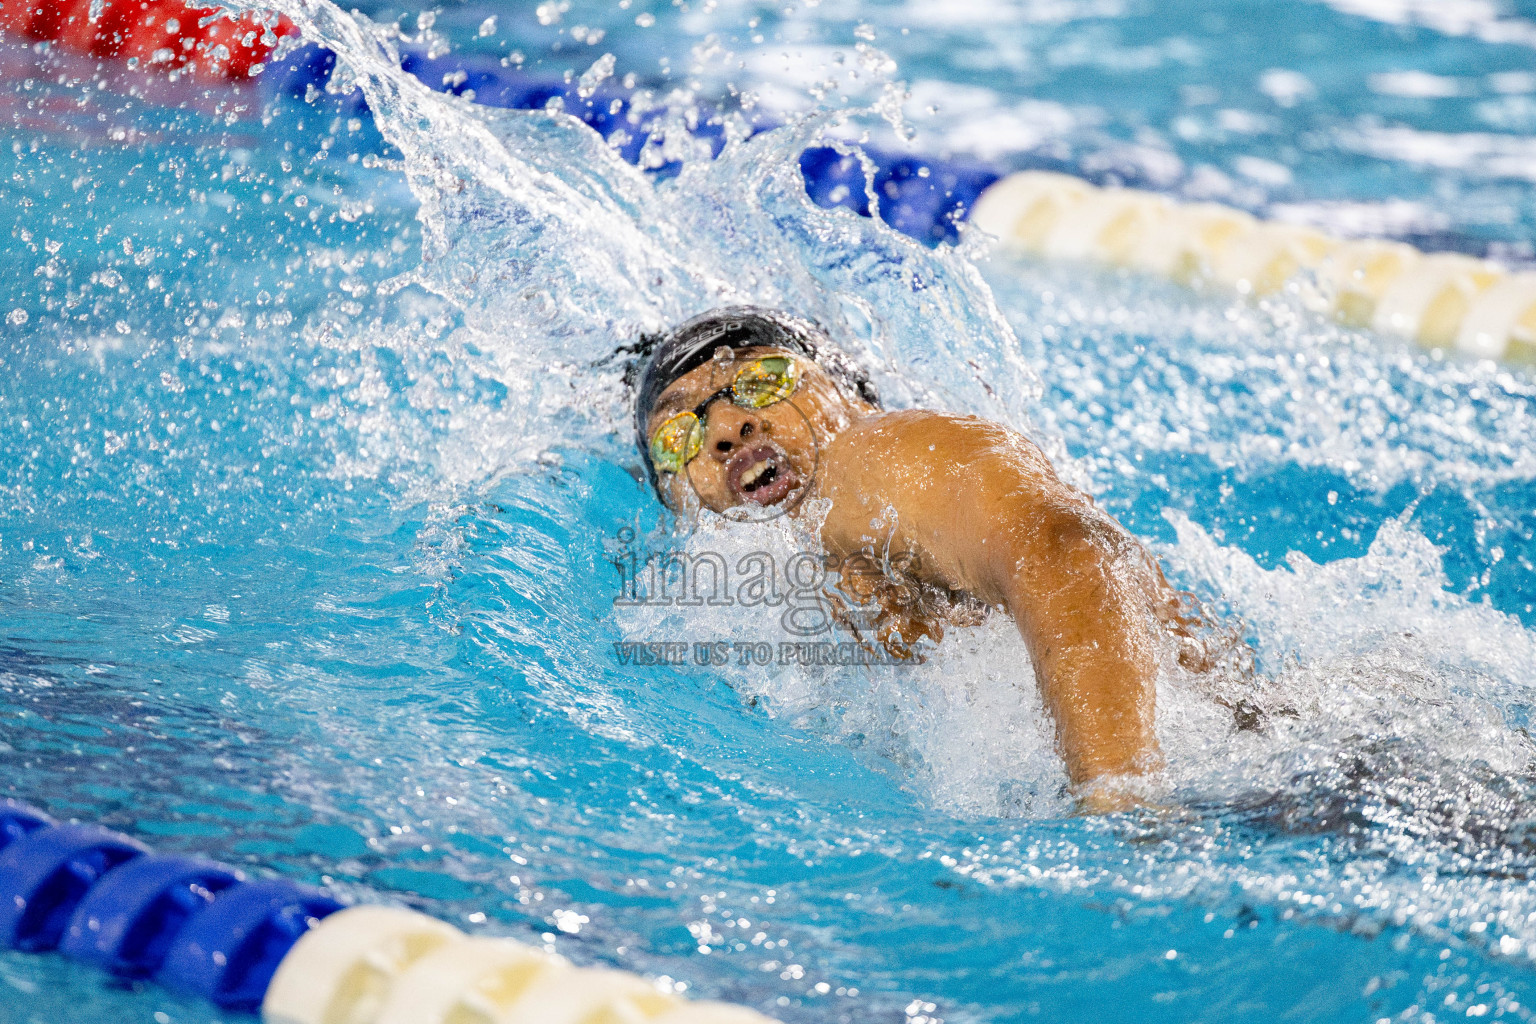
<point>316,462</point>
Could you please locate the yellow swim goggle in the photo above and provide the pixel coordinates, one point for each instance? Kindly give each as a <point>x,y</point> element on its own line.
<point>759,384</point>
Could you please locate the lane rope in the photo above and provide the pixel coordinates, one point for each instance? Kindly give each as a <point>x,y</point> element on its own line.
<point>1444,300</point>
<point>1439,300</point>
<point>291,951</point>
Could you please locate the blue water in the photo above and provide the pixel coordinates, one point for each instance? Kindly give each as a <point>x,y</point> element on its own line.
<point>308,510</point>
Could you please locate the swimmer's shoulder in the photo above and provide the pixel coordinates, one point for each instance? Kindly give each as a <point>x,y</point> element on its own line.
<point>933,473</point>
<point>941,488</point>
<point>925,440</point>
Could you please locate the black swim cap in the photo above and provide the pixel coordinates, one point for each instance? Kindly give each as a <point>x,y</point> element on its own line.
<point>692,343</point>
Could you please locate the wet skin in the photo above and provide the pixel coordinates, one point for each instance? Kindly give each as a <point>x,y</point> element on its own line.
<point>982,514</point>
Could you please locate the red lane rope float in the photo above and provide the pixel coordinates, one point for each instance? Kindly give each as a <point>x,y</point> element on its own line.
<point>165,34</point>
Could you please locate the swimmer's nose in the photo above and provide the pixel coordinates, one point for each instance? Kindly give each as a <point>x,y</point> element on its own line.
<point>727,427</point>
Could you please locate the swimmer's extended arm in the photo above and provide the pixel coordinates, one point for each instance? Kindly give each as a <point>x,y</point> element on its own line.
<point>983,512</point>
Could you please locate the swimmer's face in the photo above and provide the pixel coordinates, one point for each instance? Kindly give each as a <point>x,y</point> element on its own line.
<point>754,457</point>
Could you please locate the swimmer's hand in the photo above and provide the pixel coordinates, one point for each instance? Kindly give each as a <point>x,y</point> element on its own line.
<point>1114,794</point>
<point>1105,802</point>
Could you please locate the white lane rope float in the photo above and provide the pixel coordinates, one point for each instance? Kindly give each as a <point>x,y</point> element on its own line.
<point>1476,307</point>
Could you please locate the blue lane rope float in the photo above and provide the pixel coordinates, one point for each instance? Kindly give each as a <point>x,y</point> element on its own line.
<point>125,923</point>
<point>104,899</point>
<point>229,950</point>
<point>47,872</point>
<point>293,951</point>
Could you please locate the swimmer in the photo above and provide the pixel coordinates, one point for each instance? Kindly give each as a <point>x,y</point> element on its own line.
<point>750,410</point>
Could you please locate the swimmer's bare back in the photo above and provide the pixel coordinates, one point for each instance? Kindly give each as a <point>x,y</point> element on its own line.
<point>977,509</point>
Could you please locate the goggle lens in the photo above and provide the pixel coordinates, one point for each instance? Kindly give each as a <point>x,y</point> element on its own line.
<point>676,442</point>
<point>764,382</point>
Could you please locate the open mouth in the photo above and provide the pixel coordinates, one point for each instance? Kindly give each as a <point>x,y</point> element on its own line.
<point>761,475</point>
